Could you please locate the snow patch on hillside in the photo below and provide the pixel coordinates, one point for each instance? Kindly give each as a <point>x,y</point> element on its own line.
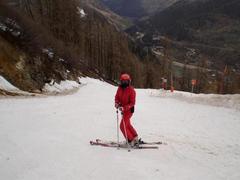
<point>81,12</point>
<point>8,89</point>
<point>3,27</point>
<point>63,86</point>
<point>7,86</point>
<point>87,80</point>
<point>49,52</point>
<point>10,25</point>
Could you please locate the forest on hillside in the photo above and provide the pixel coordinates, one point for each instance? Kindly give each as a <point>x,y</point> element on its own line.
<point>88,44</point>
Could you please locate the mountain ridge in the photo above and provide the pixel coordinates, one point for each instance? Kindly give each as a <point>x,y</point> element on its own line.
<point>136,9</point>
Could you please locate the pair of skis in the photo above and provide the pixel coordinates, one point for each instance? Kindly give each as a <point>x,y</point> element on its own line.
<point>112,144</point>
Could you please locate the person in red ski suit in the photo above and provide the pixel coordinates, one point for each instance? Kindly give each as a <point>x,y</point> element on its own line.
<point>125,101</point>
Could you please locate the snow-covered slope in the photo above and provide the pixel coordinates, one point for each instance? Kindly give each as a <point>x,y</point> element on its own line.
<point>48,138</point>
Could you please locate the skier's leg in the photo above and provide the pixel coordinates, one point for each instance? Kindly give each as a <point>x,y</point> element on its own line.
<point>131,128</point>
<point>126,120</point>
<point>125,131</point>
<point>133,131</point>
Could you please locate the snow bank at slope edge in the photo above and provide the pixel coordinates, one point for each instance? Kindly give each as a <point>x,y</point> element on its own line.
<point>227,101</point>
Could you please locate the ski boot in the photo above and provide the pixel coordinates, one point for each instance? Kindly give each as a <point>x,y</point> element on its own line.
<point>135,142</point>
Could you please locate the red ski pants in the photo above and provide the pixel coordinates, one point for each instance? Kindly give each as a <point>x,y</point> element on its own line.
<point>131,132</point>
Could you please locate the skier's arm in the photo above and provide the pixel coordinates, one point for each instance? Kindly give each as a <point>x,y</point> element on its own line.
<point>132,101</point>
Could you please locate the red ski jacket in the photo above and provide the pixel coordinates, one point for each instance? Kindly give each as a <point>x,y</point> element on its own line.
<point>126,98</point>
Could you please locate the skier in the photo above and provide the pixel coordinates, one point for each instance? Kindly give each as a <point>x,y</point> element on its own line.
<point>125,101</point>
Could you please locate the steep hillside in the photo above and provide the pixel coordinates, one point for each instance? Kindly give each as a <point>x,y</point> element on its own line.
<point>41,41</point>
<point>27,58</point>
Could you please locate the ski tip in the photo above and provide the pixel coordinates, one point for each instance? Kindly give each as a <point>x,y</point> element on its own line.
<point>147,147</point>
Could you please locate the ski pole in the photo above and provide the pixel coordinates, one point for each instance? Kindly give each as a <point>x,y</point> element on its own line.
<point>117,129</point>
<point>126,134</point>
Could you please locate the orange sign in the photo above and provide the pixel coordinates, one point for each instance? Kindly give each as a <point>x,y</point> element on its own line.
<point>194,82</point>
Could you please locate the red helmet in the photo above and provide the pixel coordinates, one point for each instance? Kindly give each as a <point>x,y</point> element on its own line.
<point>125,77</point>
